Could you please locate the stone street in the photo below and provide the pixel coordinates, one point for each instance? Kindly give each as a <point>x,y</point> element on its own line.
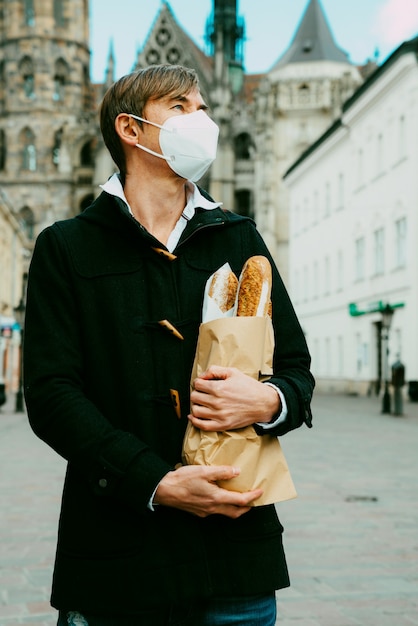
<point>351,536</point>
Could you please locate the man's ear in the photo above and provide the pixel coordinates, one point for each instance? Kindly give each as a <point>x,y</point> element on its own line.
<point>127,129</point>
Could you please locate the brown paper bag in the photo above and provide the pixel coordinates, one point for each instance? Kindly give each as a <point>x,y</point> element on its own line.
<point>246,343</point>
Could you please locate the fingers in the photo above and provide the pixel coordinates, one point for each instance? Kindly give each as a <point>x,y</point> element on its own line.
<point>194,489</point>
<point>217,372</point>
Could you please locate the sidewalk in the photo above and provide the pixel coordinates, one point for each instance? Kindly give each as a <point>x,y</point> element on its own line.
<point>351,536</point>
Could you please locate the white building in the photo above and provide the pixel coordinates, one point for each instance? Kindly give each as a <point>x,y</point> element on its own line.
<point>354,232</point>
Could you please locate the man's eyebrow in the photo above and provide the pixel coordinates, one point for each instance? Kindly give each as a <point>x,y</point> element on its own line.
<point>182,98</point>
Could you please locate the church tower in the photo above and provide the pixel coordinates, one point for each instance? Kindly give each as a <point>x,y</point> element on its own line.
<point>48,126</point>
<point>225,37</point>
<point>297,100</point>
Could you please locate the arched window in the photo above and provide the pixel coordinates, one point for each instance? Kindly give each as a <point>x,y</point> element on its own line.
<point>28,77</point>
<point>27,221</point>
<point>86,88</point>
<point>87,154</point>
<point>60,79</point>
<point>59,12</point>
<point>56,149</point>
<point>3,150</point>
<point>29,150</point>
<point>304,94</point>
<point>244,203</point>
<point>243,145</point>
<point>2,83</point>
<point>29,9</point>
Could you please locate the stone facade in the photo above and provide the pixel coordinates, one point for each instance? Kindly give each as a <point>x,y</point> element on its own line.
<point>48,126</point>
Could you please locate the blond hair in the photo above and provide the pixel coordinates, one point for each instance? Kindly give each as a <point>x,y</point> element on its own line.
<point>131,93</point>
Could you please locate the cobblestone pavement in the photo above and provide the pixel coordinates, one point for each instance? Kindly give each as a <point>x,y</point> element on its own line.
<point>351,536</point>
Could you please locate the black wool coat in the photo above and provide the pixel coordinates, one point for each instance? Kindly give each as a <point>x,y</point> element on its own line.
<point>98,370</point>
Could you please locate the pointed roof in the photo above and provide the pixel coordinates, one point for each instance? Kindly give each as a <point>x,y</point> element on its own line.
<point>313,40</point>
<point>168,42</point>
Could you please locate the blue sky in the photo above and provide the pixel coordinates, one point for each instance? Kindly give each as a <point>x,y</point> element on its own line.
<point>359,27</point>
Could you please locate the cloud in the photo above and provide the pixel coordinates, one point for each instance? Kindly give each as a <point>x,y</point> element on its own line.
<point>397,20</point>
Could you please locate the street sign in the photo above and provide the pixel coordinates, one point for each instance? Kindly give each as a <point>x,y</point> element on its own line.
<point>372,307</point>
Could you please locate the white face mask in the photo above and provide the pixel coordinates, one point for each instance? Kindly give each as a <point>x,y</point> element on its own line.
<point>188,143</point>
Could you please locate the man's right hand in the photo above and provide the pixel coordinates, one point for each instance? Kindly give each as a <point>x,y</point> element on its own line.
<point>193,488</point>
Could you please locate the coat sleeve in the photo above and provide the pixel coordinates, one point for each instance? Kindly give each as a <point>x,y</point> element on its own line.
<point>291,362</point>
<point>113,462</point>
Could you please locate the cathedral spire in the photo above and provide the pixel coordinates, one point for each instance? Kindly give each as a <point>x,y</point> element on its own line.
<point>226,29</point>
<point>225,36</point>
<point>313,40</point>
<point>110,69</point>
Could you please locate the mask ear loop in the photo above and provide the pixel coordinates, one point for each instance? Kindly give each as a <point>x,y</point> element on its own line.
<point>157,154</point>
<point>141,119</point>
<point>138,145</point>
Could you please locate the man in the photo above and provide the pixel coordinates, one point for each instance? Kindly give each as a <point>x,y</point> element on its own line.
<point>113,310</point>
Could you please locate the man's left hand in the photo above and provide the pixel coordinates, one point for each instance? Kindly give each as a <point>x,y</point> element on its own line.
<point>223,398</point>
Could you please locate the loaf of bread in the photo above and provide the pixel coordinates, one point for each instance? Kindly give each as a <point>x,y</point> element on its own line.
<point>254,288</point>
<point>223,288</point>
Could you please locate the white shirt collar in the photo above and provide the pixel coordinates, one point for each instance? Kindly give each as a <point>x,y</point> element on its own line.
<point>194,200</point>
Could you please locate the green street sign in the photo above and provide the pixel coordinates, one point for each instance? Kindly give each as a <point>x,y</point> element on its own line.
<point>373,307</point>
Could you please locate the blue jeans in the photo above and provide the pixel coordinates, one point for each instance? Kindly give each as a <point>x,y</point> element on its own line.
<point>229,611</point>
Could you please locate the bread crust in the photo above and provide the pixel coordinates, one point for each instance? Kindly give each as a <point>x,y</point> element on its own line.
<point>254,288</point>
<point>223,289</point>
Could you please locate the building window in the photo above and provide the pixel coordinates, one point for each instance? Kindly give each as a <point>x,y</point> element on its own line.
<point>244,203</point>
<point>340,271</point>
<point>87,154</point>
<point>315,207</point>
<point>243,146</point>
<point>305,215</point>
<point>304,94</point>
<point>87,99</point>
<point>27,221</point>
<point>327,200</point>
<point>3,149</point>
<point>60,79</point>
<point>402,137</point>
<point>59,13</point>
<point>379,154</point>
<point>56,150</point>
<point>29,11</point>
<point>379,251</point>
<point>316,280</point>
<point>327,276</point>
<point>400,242</point>
<point>360,168</point>
<point>360,247</point>
<point>29,150</point>
<point>28,77</point>
<point>341,190</point>
<point>2,84</point>
<point>305,286</point>
<point>340,355</point>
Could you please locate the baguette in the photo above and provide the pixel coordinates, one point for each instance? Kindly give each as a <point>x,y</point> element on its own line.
<point>254,288</point>
<point>223,288</point>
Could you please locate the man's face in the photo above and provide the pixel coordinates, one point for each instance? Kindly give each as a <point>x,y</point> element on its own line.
<point>158,111</point>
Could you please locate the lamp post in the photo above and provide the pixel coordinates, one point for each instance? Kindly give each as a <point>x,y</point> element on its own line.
<point>387,313</point>
<point>19,312</point>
